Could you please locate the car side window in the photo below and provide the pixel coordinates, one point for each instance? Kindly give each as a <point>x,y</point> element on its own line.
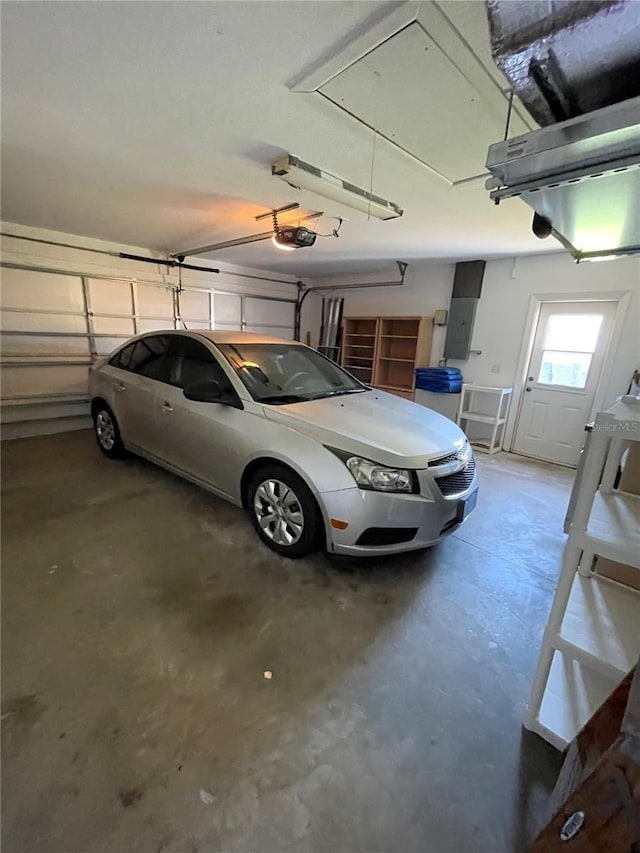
<point>190,361</point>
<point>123,357</point>
<point>145,356</point>
<point>148,357</point>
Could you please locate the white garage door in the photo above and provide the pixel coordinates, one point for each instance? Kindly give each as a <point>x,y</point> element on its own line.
<point>269,318</point>
<point>55,325</point>
<point>45,351</point>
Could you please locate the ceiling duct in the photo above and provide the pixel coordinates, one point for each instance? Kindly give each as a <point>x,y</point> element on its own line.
<point>565,58</point>
<point>576,68</point>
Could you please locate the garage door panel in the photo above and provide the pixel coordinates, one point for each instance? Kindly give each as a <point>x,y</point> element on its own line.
<point>196,324</point>
<point>43,411</point>
<point>39,322</point>
<point>273,331</point>
<point>44,345</point>
<point>105,346</point>
<point>29,289</point>
<point>110,297</point>
<point>228,327</point>
<point>156,325</point>
<point>194,305</point>
<point>44,381</point>
<point>268,313</point>
<point>227,310</point>
<point>113,326</point>
<point>155,301</point>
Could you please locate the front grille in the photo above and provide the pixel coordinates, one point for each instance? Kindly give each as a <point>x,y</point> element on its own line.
<point>455,484</point>
<point>443,460</point>
<point>387,535</point>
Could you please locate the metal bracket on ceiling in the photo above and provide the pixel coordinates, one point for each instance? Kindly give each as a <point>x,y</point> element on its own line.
<point>547,76</point>
<point>402,268</point>
<point>507,126</point>
<point>303,292</point>
<point>276,210</point>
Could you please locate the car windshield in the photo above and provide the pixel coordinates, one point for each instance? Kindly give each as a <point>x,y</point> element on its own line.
<point>288,373</point>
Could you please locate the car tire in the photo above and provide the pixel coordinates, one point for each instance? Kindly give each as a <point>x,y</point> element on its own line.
<point>107,432</point>
<point>284,512</point>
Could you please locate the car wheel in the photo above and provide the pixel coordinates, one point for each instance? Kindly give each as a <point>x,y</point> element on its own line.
<point>284,512</point>
<point>107,432</point>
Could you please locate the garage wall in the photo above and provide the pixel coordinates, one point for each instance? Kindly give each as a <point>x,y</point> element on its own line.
<point>61,308</point>
<point>427,287</point>
<point>501,317</point>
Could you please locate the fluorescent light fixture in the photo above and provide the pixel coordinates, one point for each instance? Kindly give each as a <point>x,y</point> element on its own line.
<point>301,175</point>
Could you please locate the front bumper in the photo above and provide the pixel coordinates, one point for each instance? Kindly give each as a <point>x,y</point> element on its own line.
<point>433,515</point>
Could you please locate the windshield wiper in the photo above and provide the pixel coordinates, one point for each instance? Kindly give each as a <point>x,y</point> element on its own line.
<point>277,399</point>
<point>338,392</point>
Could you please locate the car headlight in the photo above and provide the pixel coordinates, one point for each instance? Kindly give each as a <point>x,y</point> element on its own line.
<point>378,478</point>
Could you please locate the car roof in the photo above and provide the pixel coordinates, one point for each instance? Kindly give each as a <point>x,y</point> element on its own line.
<point>220,337</point>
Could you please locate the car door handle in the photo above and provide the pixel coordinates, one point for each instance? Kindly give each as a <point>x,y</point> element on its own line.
<point>167,407</point>
<point>121,387</point>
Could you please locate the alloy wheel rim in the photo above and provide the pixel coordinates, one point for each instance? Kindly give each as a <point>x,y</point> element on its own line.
<point>106,430</point>
<point>278,512</point>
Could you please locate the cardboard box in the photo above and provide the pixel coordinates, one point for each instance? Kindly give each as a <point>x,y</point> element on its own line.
<point>629,482</point>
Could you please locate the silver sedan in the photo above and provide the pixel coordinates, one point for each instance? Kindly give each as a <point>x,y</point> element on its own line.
<point>314,456</point>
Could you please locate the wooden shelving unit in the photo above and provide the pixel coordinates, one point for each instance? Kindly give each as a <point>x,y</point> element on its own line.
<point>359,347</point>
<point>385,351</point>
<point>592,638</point>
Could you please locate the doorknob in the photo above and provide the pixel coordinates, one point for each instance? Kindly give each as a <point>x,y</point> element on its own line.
<point>527,389</point>
<point>167,407</point>
<point>530,379</point>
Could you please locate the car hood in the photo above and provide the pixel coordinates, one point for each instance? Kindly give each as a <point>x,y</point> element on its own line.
<point>373,424</point>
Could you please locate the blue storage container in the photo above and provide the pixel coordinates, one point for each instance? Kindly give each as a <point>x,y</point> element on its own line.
<point>445,380</point>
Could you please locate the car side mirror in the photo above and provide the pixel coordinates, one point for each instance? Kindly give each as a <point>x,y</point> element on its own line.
<point>208,391</point>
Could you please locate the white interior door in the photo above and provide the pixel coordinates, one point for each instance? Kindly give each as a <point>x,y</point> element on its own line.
<point>569,347</point>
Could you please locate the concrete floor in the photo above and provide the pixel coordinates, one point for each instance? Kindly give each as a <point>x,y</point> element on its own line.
<point>139,614</point>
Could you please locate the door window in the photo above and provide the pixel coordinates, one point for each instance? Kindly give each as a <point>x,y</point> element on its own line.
<point>122,358</point>
<point>569,343</point>
<point>189,361</point>
<point>144,356</point>
<point>148,358</point>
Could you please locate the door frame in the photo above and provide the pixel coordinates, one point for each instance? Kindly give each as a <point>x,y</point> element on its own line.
<point>536,300</point>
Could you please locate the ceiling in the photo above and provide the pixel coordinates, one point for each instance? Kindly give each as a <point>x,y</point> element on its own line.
<point>155,124</point>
